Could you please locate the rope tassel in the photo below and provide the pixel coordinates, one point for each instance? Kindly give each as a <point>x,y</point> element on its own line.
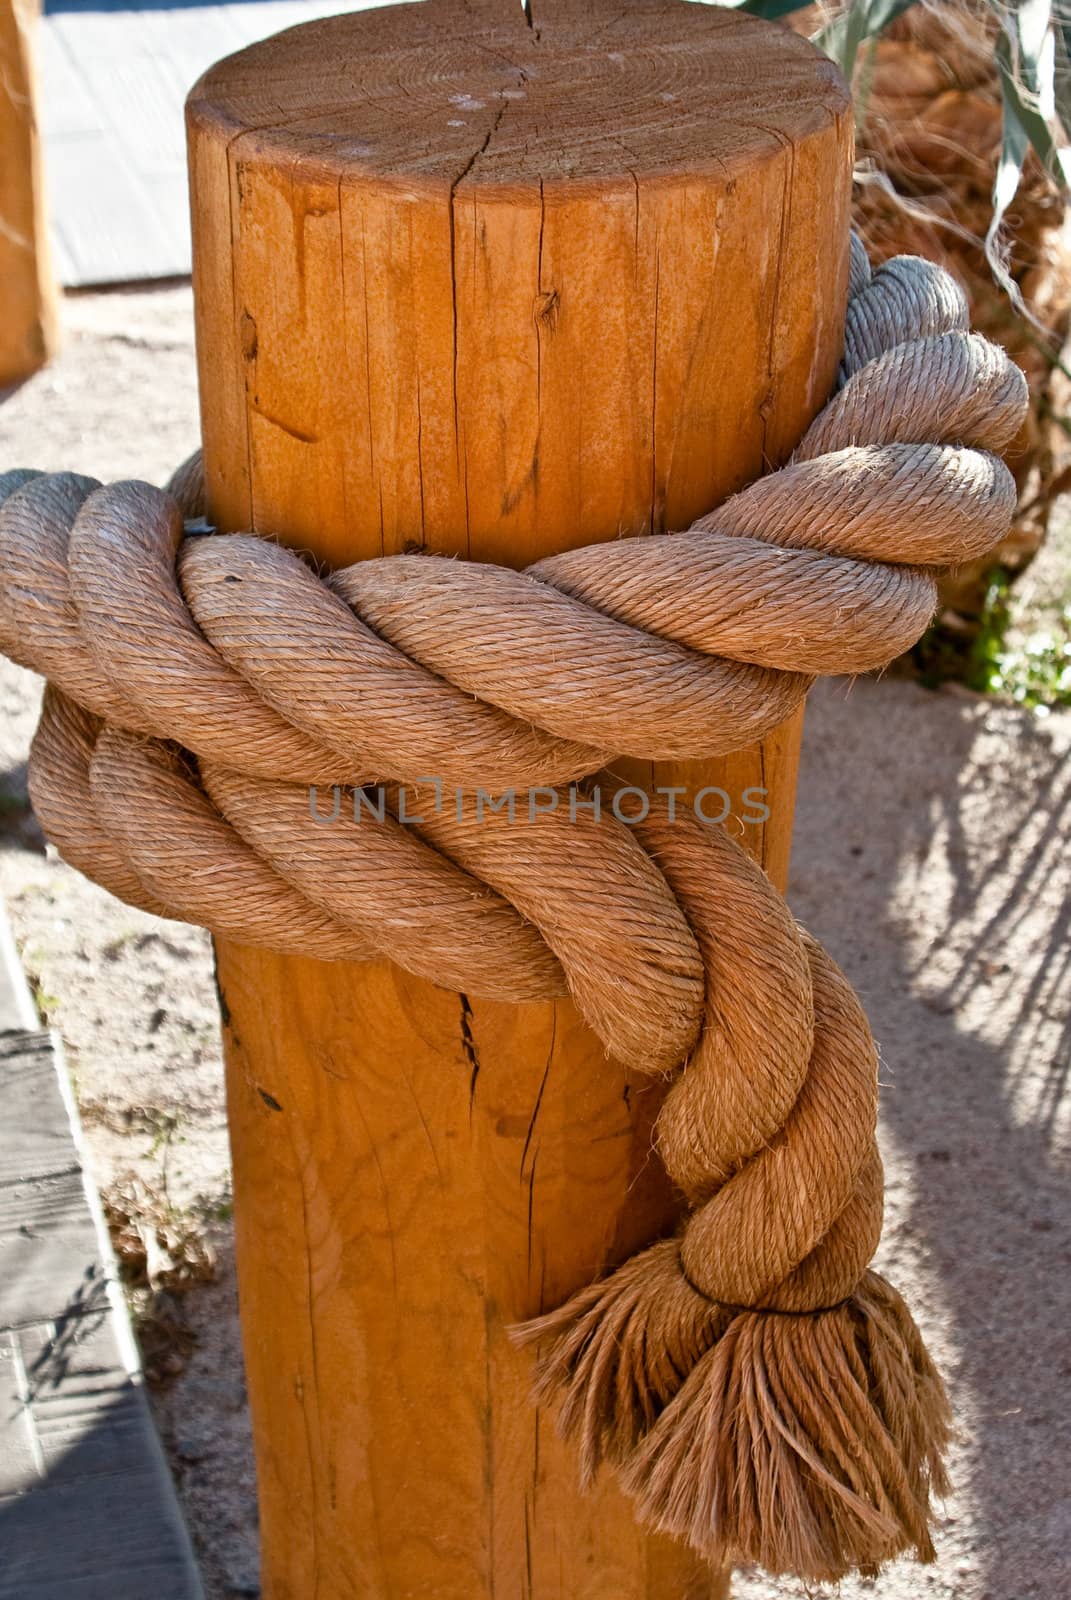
<point>762,1393</point>
<point>759,1390</point>
<point>806,1444</point>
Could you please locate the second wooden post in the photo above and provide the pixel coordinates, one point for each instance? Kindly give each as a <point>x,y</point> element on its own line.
<point>489,284</point>
<point>28,329</point>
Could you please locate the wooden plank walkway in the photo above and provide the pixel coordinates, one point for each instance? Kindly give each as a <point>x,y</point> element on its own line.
<point>113,81</point>
<point>88,1509</point>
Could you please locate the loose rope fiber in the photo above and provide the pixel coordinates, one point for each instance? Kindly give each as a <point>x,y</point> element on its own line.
<point>760,1392</point>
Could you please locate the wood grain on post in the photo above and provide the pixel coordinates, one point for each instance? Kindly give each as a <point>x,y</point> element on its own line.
<point>489,286</point>
<point>28,324</point>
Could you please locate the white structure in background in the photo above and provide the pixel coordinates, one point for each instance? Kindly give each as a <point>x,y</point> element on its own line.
<point>113,82</point>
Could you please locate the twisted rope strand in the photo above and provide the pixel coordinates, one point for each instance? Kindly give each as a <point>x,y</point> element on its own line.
<point>247,658</point>
<point>760,1392</point>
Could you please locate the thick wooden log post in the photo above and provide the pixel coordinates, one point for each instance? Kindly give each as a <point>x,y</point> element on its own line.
<point>28,325</point>
<point>478,283</point>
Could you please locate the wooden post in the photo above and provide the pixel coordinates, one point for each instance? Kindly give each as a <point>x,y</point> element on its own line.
<point>478,283</point>
<point>28,324</point>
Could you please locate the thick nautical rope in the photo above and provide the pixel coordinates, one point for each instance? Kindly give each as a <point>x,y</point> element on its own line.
<point>760,1392</point>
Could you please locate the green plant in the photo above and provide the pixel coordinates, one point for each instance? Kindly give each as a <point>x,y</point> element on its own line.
<point>1032,53</point>
<point>999,654</point>
<point>1031,668</point>
<point>45,1004</point>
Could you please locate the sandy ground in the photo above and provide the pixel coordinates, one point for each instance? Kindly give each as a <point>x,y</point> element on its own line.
<point>931,857</point>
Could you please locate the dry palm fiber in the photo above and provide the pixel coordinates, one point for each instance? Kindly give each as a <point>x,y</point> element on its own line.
<point>761,1392</point>
<point>929,119</point>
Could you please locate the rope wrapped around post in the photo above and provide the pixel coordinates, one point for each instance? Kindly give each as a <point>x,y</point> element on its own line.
<point>761,1393</point>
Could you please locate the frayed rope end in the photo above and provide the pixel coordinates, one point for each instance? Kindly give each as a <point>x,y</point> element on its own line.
<point>614,1355</point>
<point>808,1444</point>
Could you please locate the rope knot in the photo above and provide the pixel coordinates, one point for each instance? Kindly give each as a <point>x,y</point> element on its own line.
<point>760,1391</point>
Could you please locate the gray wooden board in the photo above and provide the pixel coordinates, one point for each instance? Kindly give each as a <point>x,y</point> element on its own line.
<point>113,82</point>
<point>88,1509</point>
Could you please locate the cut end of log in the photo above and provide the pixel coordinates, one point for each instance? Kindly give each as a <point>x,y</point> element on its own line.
<point>481,96</point>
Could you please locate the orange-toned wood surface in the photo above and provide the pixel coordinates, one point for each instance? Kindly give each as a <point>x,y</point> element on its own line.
<point>475,283</point>
<point>27,288</point>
